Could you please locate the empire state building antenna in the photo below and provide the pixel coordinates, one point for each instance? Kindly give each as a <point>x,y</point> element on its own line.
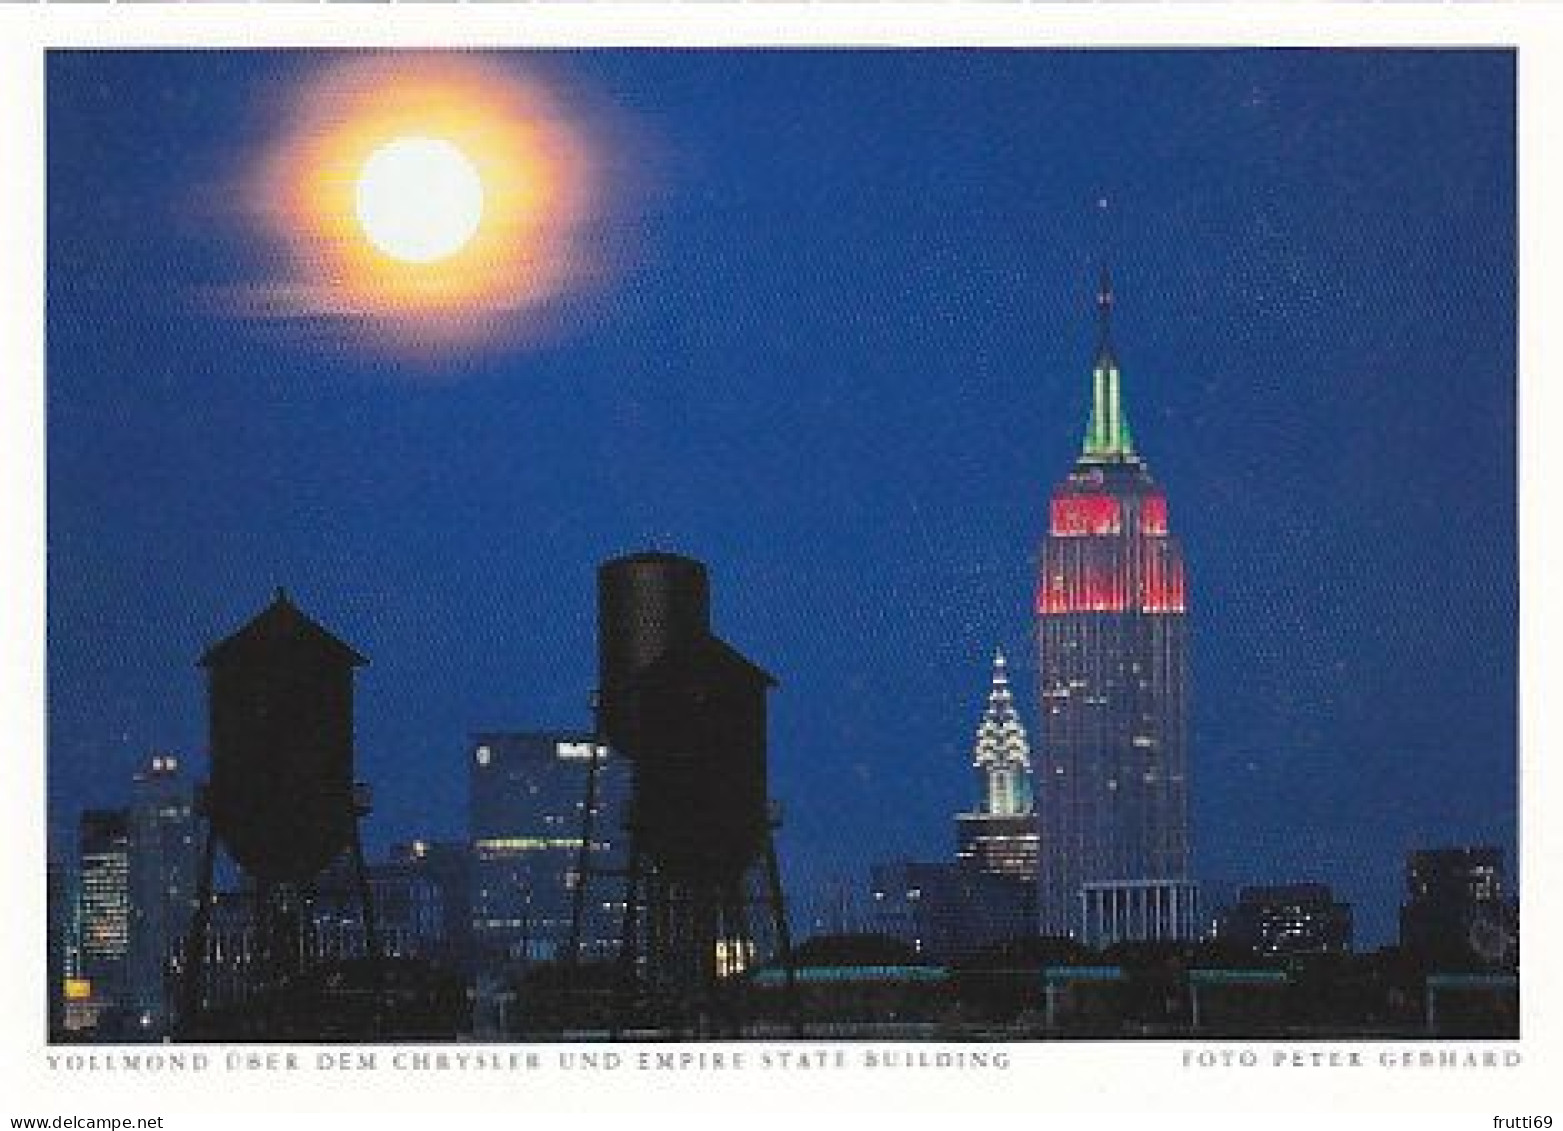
<point>1107,437</point>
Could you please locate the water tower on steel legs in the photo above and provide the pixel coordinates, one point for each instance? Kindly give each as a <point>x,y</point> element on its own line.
<point>703,891</point>
<point>281,798</point>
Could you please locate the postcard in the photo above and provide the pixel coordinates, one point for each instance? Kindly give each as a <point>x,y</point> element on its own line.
<point>571,560</point>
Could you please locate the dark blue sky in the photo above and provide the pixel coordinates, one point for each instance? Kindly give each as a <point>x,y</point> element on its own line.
<point>846,368</point>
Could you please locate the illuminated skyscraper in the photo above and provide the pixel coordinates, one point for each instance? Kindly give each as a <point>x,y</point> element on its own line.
<point>105,905</point>
<point>1000,837</point>
<point>162,884</point>
<point>1112,783</point>
<point>527,796</point>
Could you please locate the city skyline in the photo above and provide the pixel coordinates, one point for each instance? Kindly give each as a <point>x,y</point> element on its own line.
<point>1283,298</point>
<point>493,915</point>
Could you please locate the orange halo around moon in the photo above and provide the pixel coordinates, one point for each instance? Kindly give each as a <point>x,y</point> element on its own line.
<point>538,192</point>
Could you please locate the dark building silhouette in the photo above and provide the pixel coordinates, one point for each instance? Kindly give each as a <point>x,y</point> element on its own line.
<point>917,902</point>
<point>409,911</point>
<point>1112,778</point>
<point>1458,915</point>
<point>1288,919</point>
<point>526,812</point>
<point>448,867</point>
<point>943,909</point>
<point>337,991</point>
<point>62,905</point>
<point>233,948</point>
<point>163,863</point>
<point>409,924</point>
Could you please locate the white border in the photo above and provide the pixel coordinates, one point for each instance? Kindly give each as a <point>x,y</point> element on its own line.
<point>1045,1078</point>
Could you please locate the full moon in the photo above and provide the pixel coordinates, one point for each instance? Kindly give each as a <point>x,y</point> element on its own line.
<point>428,203</point>
<point>419,199</point>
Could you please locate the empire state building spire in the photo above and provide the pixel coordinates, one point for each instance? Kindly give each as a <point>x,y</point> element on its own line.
<point>1107,437</point>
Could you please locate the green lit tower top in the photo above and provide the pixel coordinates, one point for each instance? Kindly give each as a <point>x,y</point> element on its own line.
<point>1107,436</point>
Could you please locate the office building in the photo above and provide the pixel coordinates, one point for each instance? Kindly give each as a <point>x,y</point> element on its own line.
<point>945,910</point>
<point>527,803</point>
<point>1458,914</point>
<point>162,886</point>
<point>1112,776</point>
<point>104,909</point>
<point>1288,919</point>
<point>409,912</point>
<point>1000,836</point>
<point>447,867</point>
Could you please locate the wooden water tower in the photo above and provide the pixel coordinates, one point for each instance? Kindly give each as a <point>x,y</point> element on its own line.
<point>281,798</point>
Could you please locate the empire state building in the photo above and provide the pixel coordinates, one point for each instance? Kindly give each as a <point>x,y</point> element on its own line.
<point>1112,776</point>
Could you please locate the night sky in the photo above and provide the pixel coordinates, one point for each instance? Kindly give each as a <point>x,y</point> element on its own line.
<point>843,357</point>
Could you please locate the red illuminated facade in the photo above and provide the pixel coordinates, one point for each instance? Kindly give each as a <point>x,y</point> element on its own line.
<point>1111,776</point>
<point>1108,548</point>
